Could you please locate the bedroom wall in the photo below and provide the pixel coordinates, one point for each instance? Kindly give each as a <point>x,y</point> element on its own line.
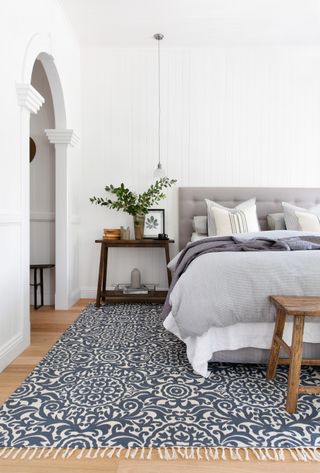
<point>232,116</point>
<point>20,23</point>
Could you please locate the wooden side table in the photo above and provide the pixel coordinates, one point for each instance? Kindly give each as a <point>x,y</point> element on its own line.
<point>113,296</point>
<point>297,307</point>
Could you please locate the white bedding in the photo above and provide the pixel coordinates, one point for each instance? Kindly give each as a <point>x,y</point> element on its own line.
<point>220,287</point>
<point>242,335</point>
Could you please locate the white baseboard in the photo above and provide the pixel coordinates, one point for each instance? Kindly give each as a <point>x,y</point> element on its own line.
<point>13,348</point>
<point>74,297</point>
<point>88,292</point>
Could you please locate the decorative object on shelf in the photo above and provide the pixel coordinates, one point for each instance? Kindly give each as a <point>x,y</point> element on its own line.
<point>126,288</point>
<point>136,290</point>
<point>163,236</point>
<point>135,278</point>
<point>111,234</point>
<point>32,149</point>
<point>159,171</point>
<point>125,233</point>
<point>154,223</point>
<point>134,204</point>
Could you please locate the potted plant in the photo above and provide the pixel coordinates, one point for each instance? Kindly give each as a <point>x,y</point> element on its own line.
<point>134,204</point>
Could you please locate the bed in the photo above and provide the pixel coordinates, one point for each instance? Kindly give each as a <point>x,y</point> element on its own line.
<point>245,341</point>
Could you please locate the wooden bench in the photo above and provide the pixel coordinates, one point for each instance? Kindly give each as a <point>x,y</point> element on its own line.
<point>297,307</point>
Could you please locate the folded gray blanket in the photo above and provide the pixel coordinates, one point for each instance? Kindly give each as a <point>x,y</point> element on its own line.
<point>235,243</point>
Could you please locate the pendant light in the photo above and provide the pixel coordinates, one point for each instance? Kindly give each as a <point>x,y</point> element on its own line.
<point>159,171</point>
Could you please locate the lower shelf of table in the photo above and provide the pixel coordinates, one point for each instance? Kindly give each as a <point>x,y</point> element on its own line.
<point>113,297</point>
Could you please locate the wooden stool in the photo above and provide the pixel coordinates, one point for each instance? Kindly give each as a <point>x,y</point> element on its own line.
<point>298,307</point>
<point>36,284</point>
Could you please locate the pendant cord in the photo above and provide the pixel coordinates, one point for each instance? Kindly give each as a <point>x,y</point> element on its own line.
<point>159,108</point>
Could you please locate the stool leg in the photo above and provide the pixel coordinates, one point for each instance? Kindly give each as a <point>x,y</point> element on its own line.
<point>275,347</point>
<point>41,286</point>
<point>295,363</point>
<point>35,289</point>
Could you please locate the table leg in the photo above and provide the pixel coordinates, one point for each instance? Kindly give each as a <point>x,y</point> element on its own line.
<point>41,286</point>
<point>35,287</point>
<point>275,347</point>
<point>167,262</point>
<point>104,279</point>
<point>98,299</point>
<point>295,364</point>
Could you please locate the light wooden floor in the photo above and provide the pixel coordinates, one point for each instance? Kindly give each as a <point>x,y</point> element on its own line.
<point>47,325</point>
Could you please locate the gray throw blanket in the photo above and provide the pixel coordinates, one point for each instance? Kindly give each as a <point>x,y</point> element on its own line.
<point>235,243</point>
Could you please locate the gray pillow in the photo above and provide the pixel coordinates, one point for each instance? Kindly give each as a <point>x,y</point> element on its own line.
<point>200,224</point>
<point>290,217</point>
<point>276,221</point>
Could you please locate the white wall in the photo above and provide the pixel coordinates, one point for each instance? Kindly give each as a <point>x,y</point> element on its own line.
<point>20,23</point>
<point>42,188</point>
<point>230,117</point>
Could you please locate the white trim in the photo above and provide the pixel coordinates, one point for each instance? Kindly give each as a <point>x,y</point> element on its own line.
<point>29,97</point>
<point>12,348</point>
<point>42,217</point>
<point>75,297</point>
<point>62,136</point>
<point>88,292</point>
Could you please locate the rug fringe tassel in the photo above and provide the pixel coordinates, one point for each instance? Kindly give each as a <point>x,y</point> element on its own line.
<point>167,453</point>
<point>119,452</point>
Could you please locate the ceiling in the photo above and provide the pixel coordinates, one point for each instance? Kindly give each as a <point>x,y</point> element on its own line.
<point>185,23</point>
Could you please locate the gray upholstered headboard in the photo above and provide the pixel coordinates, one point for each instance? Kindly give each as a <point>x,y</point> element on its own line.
<point>191,202</point>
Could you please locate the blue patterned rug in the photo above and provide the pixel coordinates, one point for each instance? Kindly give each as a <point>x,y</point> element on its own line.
<point>117,378</point>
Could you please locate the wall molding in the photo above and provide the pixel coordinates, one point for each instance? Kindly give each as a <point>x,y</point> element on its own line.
<point>62,136</point>
<point>29,97</point>
<point>12,348</point>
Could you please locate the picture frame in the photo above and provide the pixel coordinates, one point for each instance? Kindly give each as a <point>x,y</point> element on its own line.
<point>154,223</point>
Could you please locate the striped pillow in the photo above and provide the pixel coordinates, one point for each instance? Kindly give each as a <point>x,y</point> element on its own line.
<point>224,221</point>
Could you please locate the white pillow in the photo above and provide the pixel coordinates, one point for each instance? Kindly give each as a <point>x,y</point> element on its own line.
<point>291,218</point>
<point>225,221</point>
<point>308,221</point>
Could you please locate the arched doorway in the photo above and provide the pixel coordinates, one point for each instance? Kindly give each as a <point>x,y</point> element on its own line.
<point>40,49</point>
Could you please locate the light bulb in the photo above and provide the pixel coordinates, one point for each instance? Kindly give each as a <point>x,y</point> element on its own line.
<point>159,172</point>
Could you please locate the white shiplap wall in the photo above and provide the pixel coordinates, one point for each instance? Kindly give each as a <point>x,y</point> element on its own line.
<point>230,117</point>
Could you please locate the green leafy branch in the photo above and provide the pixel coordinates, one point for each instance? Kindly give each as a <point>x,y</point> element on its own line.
<point>132,203</point>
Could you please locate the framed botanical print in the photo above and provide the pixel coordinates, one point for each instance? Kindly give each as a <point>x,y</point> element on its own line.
<point>154,223</point>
